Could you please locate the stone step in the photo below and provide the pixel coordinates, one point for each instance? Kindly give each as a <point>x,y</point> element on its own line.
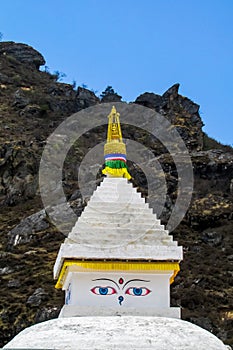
<point>123,201</point>
<point>112,241</point>
<point>117,189</point>
<point>123,197</point>
<point>81,224</point>
<point>111,218</point>
<point>102,231</point>
<point>154,241</point>
<point>132,251</point>
<point>120,191</point>
<point>115,180</point>
<point>118,207</point>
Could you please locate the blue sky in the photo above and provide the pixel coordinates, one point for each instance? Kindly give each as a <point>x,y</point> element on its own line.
<point>136,46</point>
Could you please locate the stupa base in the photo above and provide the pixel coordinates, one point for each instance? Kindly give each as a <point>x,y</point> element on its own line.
<point>78,311</point>
<point>126,332</point>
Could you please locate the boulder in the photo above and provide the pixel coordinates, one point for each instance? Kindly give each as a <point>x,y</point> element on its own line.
<point>27,228</point>
<point>46,314</point>
<point>13,283</point>
<point>19,99</point>
<point>37,297</point>
<point>111,98</point>
<point>85,98</point>
<point>22,53</point>
<point>212,238</point>
<point>31,111</point>
<point>150,100</point>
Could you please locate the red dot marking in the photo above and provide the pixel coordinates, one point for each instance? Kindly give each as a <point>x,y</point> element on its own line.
<point>121,281</point>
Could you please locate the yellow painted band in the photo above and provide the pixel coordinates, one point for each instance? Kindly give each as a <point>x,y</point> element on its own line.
<point>119,265</point>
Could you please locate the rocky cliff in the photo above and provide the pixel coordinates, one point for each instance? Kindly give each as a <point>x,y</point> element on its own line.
<point>32,104</point>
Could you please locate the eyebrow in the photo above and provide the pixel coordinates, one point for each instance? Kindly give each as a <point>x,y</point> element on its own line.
<point>106,279</point>
<point>134,280</point>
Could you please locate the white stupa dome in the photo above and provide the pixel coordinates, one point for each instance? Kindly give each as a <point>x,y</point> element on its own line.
<point>125,332</point>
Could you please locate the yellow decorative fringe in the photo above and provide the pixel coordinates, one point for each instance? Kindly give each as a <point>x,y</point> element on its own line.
<point>118,266</point>
<point>116,172</point>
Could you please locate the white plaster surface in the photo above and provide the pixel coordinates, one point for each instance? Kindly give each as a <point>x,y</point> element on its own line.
<point>77,311</point>
<point>117,223</point>
<point>134,251</point>
<point>155,290</point>
<point>117,214</point>
<point>126,332</point>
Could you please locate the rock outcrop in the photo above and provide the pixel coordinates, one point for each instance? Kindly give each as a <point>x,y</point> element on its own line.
<point>182,113</point>
<point>86,98</point>
<point>22,53</point>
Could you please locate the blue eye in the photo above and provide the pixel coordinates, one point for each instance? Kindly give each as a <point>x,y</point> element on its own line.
<point>138,292</point>
<point>103,290</point>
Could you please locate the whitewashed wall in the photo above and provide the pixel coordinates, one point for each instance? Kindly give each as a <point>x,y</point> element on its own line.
<point>110,289</point>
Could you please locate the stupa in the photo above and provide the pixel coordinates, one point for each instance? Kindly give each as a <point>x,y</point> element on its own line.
<point>118,260</point>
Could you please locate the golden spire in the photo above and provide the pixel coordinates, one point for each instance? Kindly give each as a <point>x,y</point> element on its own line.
<point>114,127</point>
<point>114,138</point>
<point>114,148</point>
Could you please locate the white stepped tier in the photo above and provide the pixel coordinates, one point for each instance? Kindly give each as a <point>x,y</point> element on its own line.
<point>84,225</point>
<point>133,251</point>
<point>122,218</point>
<point>116,214</point>
<point>117,223</point>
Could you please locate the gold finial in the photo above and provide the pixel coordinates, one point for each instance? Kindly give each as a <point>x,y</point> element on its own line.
<point>114,127</point>
<point>114,148</point>
<point>114,142</point>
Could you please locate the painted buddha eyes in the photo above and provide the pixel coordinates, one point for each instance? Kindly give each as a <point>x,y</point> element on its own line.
<point>134,291</point>
<point>120,288</point>
<point>103,290</point>
<point>137,292</point>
